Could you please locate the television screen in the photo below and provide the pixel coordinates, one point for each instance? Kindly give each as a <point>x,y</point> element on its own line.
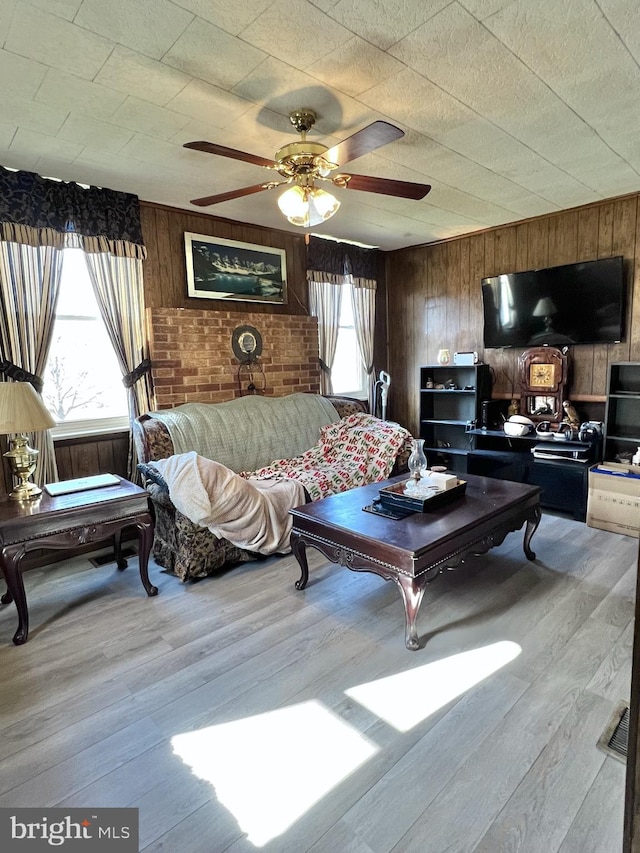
<point>579,303</point>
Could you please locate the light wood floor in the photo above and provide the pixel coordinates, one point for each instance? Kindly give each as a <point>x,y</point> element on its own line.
<point>232,712</point>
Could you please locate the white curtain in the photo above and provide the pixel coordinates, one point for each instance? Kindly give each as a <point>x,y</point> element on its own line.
<point>363,300</point>
<point>118,285</point>
<point>29,286</point>
<point>325,298</point>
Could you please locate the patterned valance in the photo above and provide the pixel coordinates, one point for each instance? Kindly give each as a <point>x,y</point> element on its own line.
<point>329,260</point>
<point>40,211</point>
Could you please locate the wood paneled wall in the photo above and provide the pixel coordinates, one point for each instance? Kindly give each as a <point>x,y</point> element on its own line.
<point>434,296</point>
<point>165,274</point>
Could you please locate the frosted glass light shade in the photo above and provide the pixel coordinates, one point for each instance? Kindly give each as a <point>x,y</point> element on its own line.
<point>307,206</point>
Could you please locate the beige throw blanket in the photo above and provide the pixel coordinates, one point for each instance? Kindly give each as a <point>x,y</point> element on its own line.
<point>251,514</point>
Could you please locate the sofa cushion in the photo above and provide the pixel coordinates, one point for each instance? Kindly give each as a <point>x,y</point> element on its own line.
<point>248,432</point>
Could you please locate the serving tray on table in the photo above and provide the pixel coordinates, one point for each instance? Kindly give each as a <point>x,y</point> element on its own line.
<point>393,497</point>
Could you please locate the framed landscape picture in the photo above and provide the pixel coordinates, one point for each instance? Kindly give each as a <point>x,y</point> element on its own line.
<point>227,269</point>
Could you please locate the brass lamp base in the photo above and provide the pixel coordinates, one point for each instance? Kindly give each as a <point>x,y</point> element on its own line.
<point>22,461</point>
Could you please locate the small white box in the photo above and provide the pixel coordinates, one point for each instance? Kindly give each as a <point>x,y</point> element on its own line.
<point>465,359</point>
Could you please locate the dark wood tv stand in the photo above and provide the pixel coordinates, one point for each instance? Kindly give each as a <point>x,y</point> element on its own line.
<point>564,483</point>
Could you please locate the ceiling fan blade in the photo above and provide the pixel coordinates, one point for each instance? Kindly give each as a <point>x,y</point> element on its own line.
<point>216,199</point>
<point>387,186</point>
<point>222,151</point>
<point>363,142</point>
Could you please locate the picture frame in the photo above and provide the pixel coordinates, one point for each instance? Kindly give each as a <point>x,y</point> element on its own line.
<point>231,270</point>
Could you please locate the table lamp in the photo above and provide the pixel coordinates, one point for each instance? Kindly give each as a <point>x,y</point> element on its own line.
<point>22,411</point>
<point>545,309</point>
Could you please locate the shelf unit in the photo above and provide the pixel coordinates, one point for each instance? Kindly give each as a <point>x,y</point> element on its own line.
<point>622,411</point>
<point>445,414</point>
<point>564,482</point>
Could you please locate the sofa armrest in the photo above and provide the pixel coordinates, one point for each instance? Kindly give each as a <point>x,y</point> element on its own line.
<point>346,406</point>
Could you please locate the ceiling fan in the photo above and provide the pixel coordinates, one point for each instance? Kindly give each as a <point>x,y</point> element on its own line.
<point>304,163</point>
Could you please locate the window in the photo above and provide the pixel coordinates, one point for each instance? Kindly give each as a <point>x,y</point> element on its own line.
<point>83,387</point>
<point>348,376</point>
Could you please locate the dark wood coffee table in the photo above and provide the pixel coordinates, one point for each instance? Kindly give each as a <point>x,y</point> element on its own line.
<point>412,551</point>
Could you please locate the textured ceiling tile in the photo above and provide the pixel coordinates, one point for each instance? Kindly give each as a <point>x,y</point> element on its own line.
<point>54,41</point>
<point>295,32</point>
<point>209,104</point>
<point>261,131</point>
<point>230,15</point>
<point>355,67</point>
<point>148,26</point>
<point>21,76</point>
<point>148,118</point>
<point>455,126</point>
<point>624,16</point>
<point>7,132</point>
<point>481,9</point>
<point>280,89</point>
<point>153,81</point>
<point>213,55</point>
<point>325,5</point>
<point>71,93</point>
<point>94,133</point>
<point>31,115</point>
<point>117,167</point>
<point>62,8</point>
<point>496,84</point>
<point>157,151</point>
<point>454,170</point>
<point>577,54</point>
<point>7,8</point>
<point>31,143</point>
<point>19,160</point>
<point>384,22</point>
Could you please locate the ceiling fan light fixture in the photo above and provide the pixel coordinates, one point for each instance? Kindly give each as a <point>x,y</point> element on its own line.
<point>307,206</point>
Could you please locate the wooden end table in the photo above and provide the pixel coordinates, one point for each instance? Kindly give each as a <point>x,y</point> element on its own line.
<point>67,522</point>
<point>412,551</point>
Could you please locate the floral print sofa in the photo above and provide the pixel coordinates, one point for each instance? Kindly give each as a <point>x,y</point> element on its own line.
<point>249,434</point>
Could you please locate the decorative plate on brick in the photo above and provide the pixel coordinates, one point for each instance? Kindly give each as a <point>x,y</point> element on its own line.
<point>246,342</point>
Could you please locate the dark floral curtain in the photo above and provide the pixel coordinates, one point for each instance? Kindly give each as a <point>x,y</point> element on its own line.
<point>39,211</point>
<point>334,261</point>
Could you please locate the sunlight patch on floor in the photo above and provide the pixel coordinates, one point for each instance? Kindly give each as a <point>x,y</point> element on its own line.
<point>405,699</point>
<point>268,770</point>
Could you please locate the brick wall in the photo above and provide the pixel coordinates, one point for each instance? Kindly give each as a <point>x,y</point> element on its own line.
<point>192,358</point>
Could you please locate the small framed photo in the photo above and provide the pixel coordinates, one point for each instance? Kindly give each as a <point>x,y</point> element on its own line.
<point>227,269</point>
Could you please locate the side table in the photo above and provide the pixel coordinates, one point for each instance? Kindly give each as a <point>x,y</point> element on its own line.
<point>66,522</point>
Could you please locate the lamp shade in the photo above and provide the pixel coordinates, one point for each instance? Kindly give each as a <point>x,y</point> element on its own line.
<point>307,206</point>
<point>22,409</point>
<point>544,308</point>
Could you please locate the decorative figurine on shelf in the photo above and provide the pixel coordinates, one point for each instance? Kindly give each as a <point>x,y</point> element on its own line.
<point>514,407</point>
<point>444,356</point>
<point>570,415</point>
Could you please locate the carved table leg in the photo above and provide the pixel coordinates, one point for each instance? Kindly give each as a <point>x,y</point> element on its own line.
<point>7,598</point>
<point>117,549</point>
<point>145,539</point>
<point>10,557</point>
<point>299,548</point>
<point>532,526</point>
<point>412,591</point>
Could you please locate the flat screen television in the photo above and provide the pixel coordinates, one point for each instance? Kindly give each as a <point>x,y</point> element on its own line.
<point>581,303</point>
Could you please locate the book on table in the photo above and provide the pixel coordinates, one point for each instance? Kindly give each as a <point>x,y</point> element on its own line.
<point>81,484</point>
